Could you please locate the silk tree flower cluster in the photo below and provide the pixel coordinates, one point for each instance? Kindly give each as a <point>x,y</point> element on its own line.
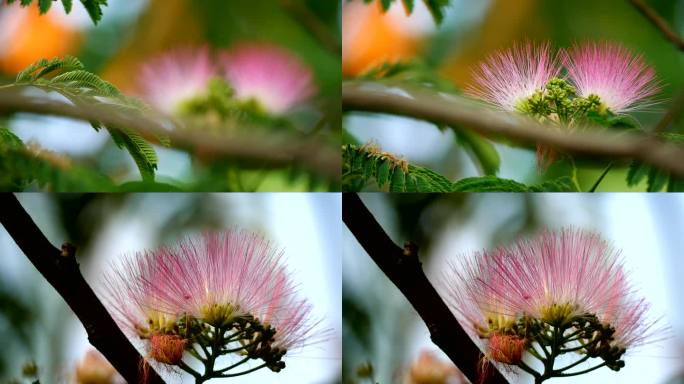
<point>223,299</point>
<point>600,77</point>
<point>271,77</point>
<point>561,293</point>
<point>601,83</point>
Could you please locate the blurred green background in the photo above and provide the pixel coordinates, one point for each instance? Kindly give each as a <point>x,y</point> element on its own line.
<point>134,31</point>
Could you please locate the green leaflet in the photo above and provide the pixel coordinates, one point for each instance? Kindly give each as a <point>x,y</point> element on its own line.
<point>495,184</point>
<point>656,179</point>
<point>360,166</point>
<point>94,7</point>
<point>408,5</point>
<point>142,152</point>
<point>31,73</point>
<point>436,7</point>
<point>68,77</point>
<point>412,71</point>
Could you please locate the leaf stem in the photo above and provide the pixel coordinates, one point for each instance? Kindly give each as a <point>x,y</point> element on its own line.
<point>603,174</point>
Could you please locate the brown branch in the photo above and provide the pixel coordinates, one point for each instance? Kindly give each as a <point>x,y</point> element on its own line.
<point>60,269</point>
<point>258,149</point>
<point>310,21</point>
<point>659,23</point>
<point>457,111</point>
<point>403,268</point>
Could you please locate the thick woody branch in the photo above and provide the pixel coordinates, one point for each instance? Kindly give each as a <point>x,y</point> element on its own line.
<point>659,23</point>
<point>258,150</point>
<point>457,111</point>
<point>60,269</point>
<point>403,268</point>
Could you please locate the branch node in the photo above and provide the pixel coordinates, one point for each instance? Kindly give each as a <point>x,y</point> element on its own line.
<point>410,250</point>
<point>68,250</point>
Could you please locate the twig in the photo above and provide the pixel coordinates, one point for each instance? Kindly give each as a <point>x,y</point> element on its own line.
<point>659,23</point>
<point>672,114</point>
<point>258,150</point>
<point>309,20</point>
<point>461,112</point>
<point>60,269</point>
<point>403,268</point>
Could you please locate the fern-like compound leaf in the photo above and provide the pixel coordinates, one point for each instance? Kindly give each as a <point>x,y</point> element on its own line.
<point>93,7</point>
<point>656,179</point>
<point>68,77</point>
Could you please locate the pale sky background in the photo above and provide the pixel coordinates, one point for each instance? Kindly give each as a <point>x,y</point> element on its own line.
<point>647,228</point>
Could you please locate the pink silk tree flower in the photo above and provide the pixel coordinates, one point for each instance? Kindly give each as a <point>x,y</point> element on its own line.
<point>621,79</point>
<point>508,77</point>
<point>175,77</point>
<point>270,75</point>
<point>210,287</point>
<point>569,284</point>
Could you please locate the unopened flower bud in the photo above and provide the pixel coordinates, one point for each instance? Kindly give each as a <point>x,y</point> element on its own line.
<point>94,369</point>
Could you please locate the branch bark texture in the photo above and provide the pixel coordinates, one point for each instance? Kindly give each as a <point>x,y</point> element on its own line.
<point>258,150</point>
<point>462,113</point>
<point>403,268</point>
<point>60,269</point>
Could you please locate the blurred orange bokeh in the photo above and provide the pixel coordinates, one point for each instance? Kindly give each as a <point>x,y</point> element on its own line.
<point>371,37</point>
<point>31,37</point>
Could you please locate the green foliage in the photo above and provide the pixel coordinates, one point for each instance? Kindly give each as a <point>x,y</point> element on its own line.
<point>480,149</point>
<point>656,179</point>
<point>361,164</point>
<point>22,167</point>
<point>436,7</point>
<point>142,152</point>
<point>495,184</point>
<point>94,7</point>
<point>413,72</point>
<point>68,77</point>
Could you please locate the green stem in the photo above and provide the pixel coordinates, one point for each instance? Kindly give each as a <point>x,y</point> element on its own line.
<point>603,174</point>
<point>580,347</point>
<point>182,365</point>
<point>528,369</point>
<point>226,369</point>
<point>243,372</point>
<point>576,363</point>
<point>582,372</point>
<point>238,349</point>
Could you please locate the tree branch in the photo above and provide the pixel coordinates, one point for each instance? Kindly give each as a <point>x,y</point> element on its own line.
<point>259,150</point>
<point>403,268</point>
<point>457,111</point>
<point>60,269</point>
<point>659,23</point>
